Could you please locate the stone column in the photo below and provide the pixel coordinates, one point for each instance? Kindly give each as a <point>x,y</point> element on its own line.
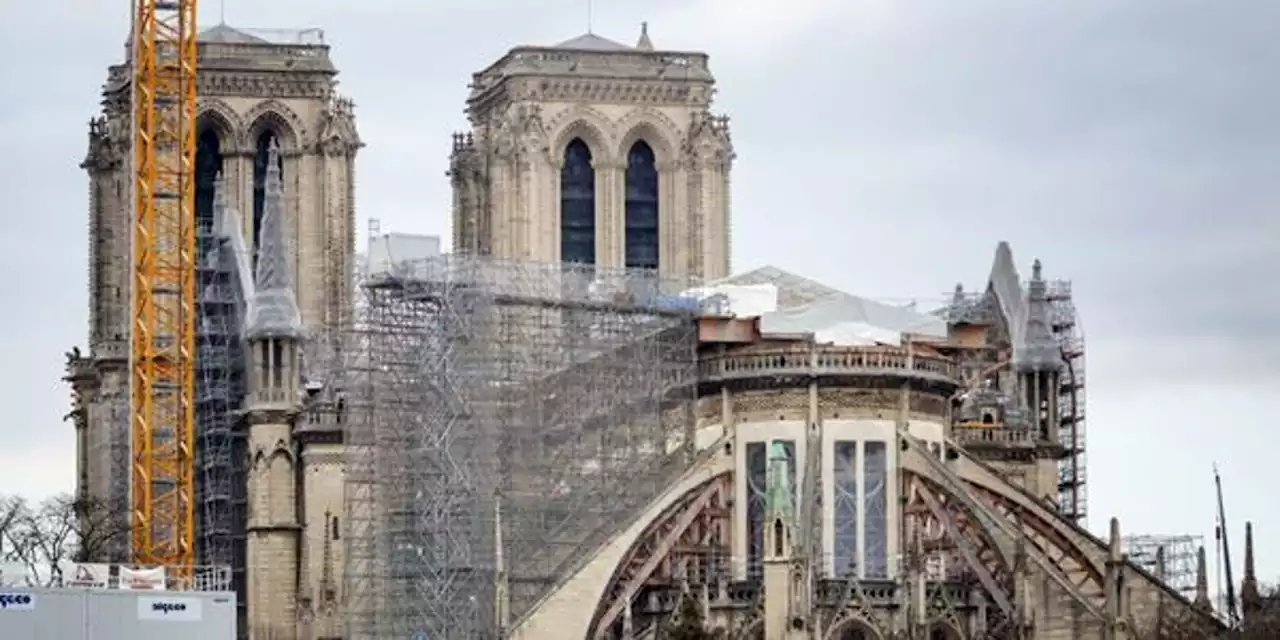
<point>672,222</point>
<point>610,213</point>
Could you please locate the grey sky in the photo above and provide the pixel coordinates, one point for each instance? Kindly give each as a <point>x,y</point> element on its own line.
<point>884,148</point>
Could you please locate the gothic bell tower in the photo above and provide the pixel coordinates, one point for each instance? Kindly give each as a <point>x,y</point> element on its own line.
<point>599,153</point>
<point>253,87</point>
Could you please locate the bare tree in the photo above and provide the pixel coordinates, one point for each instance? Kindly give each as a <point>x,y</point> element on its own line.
<point>43,537</point>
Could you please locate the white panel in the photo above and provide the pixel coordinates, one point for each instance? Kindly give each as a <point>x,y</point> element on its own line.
<point>389,253</point>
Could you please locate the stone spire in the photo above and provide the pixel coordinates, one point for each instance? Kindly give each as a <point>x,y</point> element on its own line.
<point>273,310</point>
<point>1038,350</point>
<point>1202,601</point>
<point>1250,597</point>
<point>644,43</point>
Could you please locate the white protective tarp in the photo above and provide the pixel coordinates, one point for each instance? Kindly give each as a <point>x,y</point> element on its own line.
<point>845,319</point>
<point>738,300</point>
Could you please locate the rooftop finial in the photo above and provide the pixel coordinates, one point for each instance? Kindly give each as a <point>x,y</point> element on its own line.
<point>1035,270</point>
<point>1202,601</point>
<point>644,43</point>
<point>1250,596</point>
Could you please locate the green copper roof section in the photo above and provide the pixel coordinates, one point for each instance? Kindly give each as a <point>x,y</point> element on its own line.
<point>780,495</point>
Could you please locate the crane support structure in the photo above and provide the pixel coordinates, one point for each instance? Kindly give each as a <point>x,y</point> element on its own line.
<point>162,358</point>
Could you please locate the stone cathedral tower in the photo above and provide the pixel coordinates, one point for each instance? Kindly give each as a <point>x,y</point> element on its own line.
<point>595,152</point>
<point>268,114</point>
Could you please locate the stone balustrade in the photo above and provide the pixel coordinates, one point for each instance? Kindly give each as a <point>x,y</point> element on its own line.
<point>978,436</point>
<point>824,361</point>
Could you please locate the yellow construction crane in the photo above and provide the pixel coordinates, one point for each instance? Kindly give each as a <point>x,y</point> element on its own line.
<point>162,358</point>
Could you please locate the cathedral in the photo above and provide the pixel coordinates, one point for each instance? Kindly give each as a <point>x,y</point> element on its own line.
<point>853,470</point>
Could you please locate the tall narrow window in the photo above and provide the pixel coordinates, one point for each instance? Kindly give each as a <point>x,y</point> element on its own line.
<point>642,208</point>
<point>208,164</point>
<point>845,482</point>
<point>757,488</point>
<point>260,183</point>
<point>875,483</point>
<point>577,205</point>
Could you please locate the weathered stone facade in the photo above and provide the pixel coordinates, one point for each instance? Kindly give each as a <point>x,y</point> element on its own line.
<point>1057,580</point>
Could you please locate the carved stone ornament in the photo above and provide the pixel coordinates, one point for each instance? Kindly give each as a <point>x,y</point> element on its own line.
<point>654,91</point>
<point>338,135</point>
<point>108,143</point>
<point>532,133</point>
<point>708,142</point>
<point>262,85</point>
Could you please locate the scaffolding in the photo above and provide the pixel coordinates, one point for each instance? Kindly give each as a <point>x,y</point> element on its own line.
<point>555,399</point>
<point>1072,490</point>
<point>1180,558</point>
<point>221,449</point>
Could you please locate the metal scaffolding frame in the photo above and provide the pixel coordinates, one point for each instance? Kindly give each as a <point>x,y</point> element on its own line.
<point>1180,558</point>
<point>556,400</point>
<point>221,449</point>
<point>1073,497</point>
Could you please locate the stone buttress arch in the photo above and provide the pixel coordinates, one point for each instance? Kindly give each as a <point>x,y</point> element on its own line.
<point>560,613</point>
<point>279,118</point>
<point>650,551</point>
<point>1017,526</point>
<point>853,623</point>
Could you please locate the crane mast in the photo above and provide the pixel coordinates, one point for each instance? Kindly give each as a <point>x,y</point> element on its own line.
<point>1232,616</point>
<point>162,335</point>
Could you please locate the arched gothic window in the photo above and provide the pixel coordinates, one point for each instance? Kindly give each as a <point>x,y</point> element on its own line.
<point>577,205</point>
<point>260,183</point>
<point>208,164</point>
<point>642,208</point>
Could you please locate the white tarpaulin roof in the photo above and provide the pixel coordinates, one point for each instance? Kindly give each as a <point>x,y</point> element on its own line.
<point>806,306</point>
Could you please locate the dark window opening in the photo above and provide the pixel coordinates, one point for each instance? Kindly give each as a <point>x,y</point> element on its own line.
<point>208,165</point>
<point>642,208</point>
<point>577,205</point>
